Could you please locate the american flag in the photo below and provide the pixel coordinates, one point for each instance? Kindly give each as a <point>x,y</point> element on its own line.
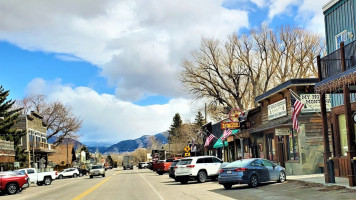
<point>209,139</point>
<point>227,132</point>
<point>296,108</point>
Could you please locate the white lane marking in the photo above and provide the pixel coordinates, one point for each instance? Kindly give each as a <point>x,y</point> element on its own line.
<point>160,197</point>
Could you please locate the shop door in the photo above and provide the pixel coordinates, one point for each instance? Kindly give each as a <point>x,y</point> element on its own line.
<point>281,151</point>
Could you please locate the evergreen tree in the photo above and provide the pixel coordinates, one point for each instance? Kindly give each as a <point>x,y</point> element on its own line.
<point>177,123</point>
<point>199,119</point>
<point>110,160</point>
<point>8,118</point>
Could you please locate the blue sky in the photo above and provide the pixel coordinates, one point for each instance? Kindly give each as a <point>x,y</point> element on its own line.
<point>125,55</point>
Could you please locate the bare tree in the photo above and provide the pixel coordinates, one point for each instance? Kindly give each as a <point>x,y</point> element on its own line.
<point>234,73</point>
<point>140,155</point>
<point>60,120</point>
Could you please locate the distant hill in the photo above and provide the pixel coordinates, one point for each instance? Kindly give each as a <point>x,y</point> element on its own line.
<point>132,145</point>
<point>65,141</point>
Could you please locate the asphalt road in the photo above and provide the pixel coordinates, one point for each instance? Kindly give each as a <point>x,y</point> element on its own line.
<point>147,185</point>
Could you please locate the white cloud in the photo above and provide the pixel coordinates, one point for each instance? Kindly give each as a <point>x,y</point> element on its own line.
<point>138,45</point>
<point>109,119</point>
<point>311,12</point>
<point>277,7</point>
<point>259,3</point>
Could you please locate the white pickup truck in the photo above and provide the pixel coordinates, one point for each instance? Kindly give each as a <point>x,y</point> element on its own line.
<point>39,178</point>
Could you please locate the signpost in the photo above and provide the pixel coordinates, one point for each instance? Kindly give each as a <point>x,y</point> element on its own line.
<point>187,151</point>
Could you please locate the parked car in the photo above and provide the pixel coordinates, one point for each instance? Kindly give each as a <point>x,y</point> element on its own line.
<point>251,171</point>
<point>164,166</point>
<point>39,178</point>
<point>198,168</point>
<point>70,172</point>
<point>155,164</point>
<point>142,165</point>
<point>97,170</point>
<point>150,165</point>
<point>172,168</point>
<point>12,182</point>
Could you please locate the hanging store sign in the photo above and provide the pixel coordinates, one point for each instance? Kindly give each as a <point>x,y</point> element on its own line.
<point>278,109</point>
<point>312,102</point>
<point>230,125</point>
<point>282,131</point>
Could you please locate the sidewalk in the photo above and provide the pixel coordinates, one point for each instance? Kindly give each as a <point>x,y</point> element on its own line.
<point>319,178</point>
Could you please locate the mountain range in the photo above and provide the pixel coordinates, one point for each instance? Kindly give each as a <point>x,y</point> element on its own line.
<point>120,147</point>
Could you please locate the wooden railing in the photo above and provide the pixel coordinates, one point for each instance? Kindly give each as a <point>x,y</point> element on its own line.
<point>331,63</point>
<point>40,145</point>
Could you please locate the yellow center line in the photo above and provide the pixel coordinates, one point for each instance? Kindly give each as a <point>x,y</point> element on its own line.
<point>117,172</point>
<point>92,189</point>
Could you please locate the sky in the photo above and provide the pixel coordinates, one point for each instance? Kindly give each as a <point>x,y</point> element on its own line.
<point>116,62</point>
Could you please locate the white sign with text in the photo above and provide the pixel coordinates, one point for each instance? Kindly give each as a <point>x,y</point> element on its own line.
<point>278,109</point>
<point>312,102</point>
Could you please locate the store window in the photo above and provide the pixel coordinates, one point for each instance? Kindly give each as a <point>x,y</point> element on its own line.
<point>343,134</point>
<point>271,152</point>
<point>293,142</point>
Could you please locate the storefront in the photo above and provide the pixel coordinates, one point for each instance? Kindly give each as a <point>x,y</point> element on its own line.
<point>299,152</point>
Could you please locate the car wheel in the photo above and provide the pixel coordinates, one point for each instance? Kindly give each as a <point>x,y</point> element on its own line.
<point>60,176</point>
<point>184,181</point>
<point>11,188</point>
<point>202,176</point>
<point>227,186</point>
<point>160,173</point>
<point>103,175</point>
<point>80,174</point>
<point>91,176</point>
<point>253,181</point>
<point>282,177</point>
<point>75,175</point>
<point>39,183</point>
<point>47,180</point>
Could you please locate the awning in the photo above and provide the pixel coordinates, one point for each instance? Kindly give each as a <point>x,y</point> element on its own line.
<point>219,144</point>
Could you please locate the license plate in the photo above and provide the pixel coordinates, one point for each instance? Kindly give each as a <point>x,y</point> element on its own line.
<point>228,172</point>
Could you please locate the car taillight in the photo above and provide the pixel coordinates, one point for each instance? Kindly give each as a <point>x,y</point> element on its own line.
<point>175,167</point>
<point>56,173</point>
<point>221,170</point>
<point>190,166</point>
<point>240,169</point>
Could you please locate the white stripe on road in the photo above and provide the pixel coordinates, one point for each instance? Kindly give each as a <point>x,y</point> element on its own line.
<point>160,197</point>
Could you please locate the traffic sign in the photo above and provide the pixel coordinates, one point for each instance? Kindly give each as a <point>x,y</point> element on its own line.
<point>187,149</point>
<point>186,154</point>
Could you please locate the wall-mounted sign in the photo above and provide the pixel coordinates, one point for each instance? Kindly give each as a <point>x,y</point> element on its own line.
<point>312,102</point>
<point>230,125</point>
<point>234,114</point>
<point>278,109</point>
<point>282,131</point>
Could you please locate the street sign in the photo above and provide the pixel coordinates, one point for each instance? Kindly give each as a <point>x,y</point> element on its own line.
<point>187,149</point>
<point>186,154</point>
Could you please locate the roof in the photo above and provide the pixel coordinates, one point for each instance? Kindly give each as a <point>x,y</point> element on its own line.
<point>280,122</point>
<point>285,85</point>
<point>329,4</point>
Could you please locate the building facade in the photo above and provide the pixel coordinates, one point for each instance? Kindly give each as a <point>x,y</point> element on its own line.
<point>35,140</point>
<point>7,155</point>
<point>337,75</point>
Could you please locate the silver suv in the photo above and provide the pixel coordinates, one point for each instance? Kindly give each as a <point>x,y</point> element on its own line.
<point>97,170</point>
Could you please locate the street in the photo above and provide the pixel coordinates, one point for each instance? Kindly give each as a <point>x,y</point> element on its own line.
<point>145,184</point>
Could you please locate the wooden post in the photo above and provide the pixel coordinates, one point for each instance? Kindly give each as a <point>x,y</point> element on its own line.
<point>350,129</point>
<point>327,152</point>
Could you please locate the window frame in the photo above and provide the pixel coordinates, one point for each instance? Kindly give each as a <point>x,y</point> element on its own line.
<point>342,33</point>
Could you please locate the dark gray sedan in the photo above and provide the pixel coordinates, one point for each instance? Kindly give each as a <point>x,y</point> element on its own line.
<point>251,171</point>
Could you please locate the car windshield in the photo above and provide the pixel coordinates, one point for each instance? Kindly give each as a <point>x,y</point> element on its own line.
<point>185,162</point>
<point>97,167</point>
<point>238,163</point>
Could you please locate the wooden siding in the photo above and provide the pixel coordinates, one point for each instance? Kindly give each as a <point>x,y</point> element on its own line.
<point>338,18</point>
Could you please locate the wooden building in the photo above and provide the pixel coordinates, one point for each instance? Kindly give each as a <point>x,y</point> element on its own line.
<point>269,132</point>
<point>337,77</point>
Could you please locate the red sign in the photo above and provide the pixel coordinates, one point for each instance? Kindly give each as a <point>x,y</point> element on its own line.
<point>230,125</point>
